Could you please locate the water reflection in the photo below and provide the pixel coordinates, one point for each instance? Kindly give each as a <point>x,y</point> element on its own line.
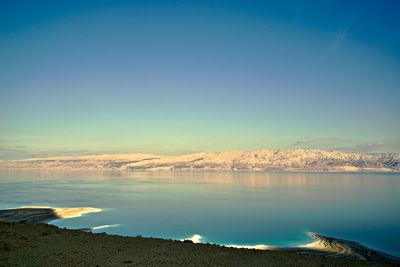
<point>243,208</point>
<point>248,179</point>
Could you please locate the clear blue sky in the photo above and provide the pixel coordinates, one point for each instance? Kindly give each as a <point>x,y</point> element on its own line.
<point>174,77</point>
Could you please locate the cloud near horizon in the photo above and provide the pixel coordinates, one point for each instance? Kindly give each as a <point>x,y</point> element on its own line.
<point>347,145</point>
<point>19,152</point>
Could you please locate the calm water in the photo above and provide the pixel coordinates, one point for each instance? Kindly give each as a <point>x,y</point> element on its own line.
<point>225,208</point>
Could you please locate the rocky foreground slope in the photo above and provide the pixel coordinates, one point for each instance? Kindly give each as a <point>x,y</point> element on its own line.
<point>261,160</point>
<point>21,243</point>
<point>46,245</point>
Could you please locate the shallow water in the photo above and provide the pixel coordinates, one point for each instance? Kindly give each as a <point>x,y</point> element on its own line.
<point>240,208</point>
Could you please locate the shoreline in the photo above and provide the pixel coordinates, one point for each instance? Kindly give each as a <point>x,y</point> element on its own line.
<point>323,246</point>
<point>198,171</point>
<point>48,245</point>
<point>194,170</point>
<point>42,214</point>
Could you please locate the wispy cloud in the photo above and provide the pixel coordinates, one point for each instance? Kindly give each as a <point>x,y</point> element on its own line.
<point>340,38</point>
<point>378,144</point>
<point>21,152</point>
<point>368,147</point>
<point>343,144</point>
<point>302,142</point>
<point>320,143</point>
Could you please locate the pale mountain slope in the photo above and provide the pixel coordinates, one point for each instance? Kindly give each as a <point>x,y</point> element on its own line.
<point>261,160</point>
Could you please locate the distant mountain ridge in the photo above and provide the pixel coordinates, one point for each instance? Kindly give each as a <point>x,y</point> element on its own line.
<point>309,160</point>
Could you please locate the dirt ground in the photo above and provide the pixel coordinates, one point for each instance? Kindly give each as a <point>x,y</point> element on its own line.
<point>46,245</point>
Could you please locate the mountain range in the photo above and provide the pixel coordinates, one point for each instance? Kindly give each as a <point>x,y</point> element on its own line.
<point>308,160</point>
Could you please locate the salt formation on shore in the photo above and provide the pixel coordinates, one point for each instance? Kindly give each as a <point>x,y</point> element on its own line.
<point>42,214</point>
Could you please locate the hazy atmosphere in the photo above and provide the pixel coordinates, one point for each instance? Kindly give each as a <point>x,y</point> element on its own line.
<point>175,77</point>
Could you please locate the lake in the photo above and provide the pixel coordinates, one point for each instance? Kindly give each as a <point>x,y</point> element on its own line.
<point>241,208</point>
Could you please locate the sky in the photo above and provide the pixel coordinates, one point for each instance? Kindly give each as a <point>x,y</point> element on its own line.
<point>175,77</point>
